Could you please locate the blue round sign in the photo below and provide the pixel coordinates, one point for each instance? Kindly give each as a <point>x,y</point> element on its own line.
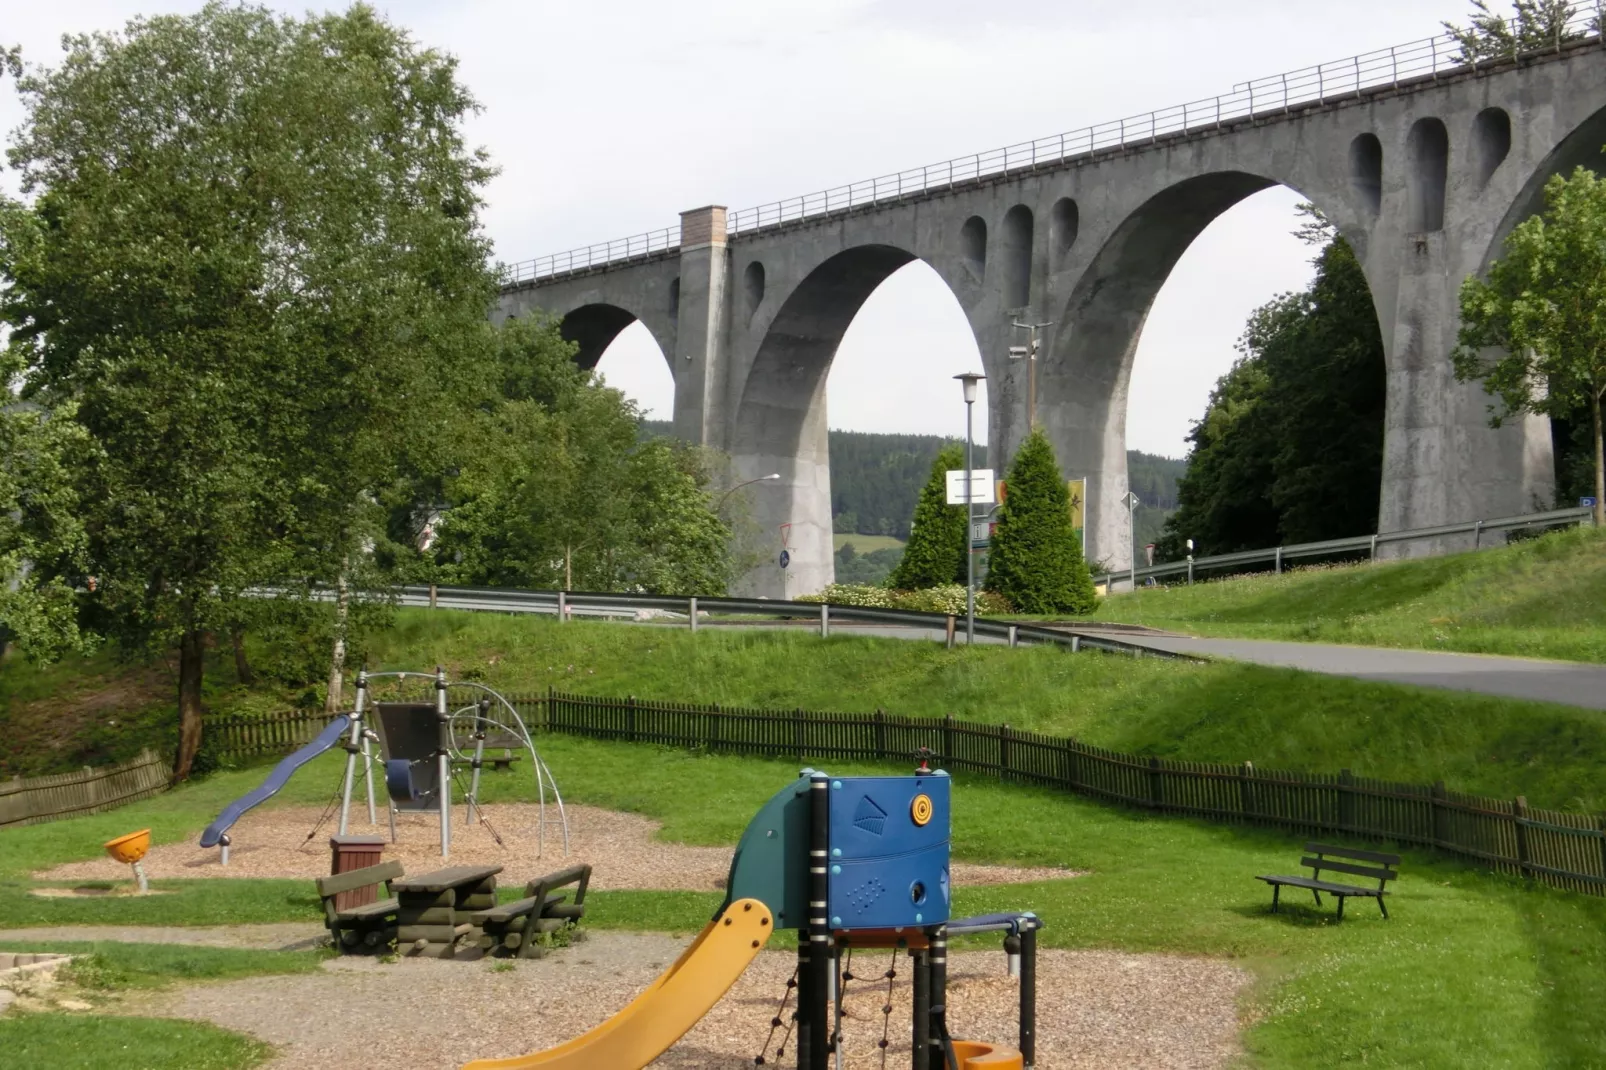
<point>786,558</point>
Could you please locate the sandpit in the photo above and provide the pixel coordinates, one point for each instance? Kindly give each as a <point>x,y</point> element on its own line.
<point>1095,1008</point>
<point>621,848</point>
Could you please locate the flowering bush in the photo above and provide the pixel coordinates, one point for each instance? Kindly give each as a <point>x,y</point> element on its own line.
<point>948,598</point>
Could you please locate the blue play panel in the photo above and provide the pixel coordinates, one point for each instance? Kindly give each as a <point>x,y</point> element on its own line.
<point>889,842</point>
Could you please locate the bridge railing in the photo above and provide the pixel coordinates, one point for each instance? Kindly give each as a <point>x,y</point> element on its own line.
<point>1276,556</point>
<point>590,256</point>
<point>1263,96</point>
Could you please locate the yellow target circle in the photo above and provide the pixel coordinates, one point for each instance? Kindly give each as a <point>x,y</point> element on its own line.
<point>920,809</point>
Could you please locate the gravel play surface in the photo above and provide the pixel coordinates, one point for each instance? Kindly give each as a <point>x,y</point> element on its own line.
<point>621,848</point>
<point>1095,1008</point>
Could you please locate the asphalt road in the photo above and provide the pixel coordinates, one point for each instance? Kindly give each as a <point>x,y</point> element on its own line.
<point>1569,683</point>
<point>1565,682</point>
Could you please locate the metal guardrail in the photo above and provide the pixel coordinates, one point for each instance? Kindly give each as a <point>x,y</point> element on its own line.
<point>1384,68</point>
<point>1331,547</point>
<point>569,604</point>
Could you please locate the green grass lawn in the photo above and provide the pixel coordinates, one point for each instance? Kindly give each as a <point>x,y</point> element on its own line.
<point>866,544</point>
<point>1473,969</point>
<point>94,1042</point>
<point>1543,597</point>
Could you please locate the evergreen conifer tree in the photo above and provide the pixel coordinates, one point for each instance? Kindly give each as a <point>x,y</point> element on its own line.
<point>936,551</point>
<point>1036,560</point>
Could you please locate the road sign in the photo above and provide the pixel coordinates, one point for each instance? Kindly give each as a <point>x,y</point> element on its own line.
<point>981,481</point>
<point>981,533</point>
<point>1586,503</point>
<point>786,558</point>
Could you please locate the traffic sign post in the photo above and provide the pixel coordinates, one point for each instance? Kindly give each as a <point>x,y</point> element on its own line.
<point>981,483</point>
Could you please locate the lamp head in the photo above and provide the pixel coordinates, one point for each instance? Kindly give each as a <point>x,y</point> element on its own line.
<point>969,380</point>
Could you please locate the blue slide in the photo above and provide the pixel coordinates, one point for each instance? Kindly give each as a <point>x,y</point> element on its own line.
<point>282,772</point>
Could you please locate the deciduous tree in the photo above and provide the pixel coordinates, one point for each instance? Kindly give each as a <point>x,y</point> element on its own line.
<point>1533,331</point>
<point>251,264</point>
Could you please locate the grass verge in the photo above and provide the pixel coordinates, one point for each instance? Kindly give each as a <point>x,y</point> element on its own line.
<point>93,1042</point>
<point>1543,597</point>
<point>108,966</point>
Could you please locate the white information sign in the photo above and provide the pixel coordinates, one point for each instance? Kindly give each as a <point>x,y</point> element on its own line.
<point>981,487</point>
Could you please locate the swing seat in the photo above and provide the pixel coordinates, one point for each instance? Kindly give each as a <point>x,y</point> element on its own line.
<point>399,780</point>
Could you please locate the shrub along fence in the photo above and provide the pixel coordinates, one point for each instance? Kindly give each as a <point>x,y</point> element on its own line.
<point>88,791</point>
<point>1560,848</point>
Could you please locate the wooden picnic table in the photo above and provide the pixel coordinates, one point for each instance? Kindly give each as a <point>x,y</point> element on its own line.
<point>434,909</point>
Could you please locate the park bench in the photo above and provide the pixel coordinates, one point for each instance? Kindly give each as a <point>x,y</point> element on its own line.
<point>1322,856</point>
<point>515,928</point>
<point>370,925</point>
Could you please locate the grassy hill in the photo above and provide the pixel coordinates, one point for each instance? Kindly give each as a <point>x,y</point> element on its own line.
<point>1220,712</point>
<point>1542,597</point>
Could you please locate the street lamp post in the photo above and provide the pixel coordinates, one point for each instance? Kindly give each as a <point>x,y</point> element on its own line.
<point>969,381</point>
<point>1132,503</point>
<point>1028,352</point>
<point>724,497</point>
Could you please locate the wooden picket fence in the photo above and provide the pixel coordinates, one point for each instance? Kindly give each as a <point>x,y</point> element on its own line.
<point>254,737</point>
<point>1562,848</point>
<point>87,791</point>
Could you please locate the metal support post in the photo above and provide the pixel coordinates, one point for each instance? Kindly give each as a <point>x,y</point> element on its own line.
<point>1190,570</point>
<point>920,1039</point>
<point>563,607</point>
<point>812,988</point>
<point>1014,636</point>
<point>938,1029</point>
<point>825,620</point>
<point>1028,996</point>
<point>472,803</point>
<point>443,762</point>
<point>970,525</point>
<point>692,614</point>
<point>352,750</point>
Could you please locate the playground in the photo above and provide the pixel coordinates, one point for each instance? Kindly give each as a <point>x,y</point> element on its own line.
<point>1159,948</point>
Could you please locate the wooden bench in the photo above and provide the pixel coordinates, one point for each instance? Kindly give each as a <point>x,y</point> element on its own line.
<point>516,928</point>
<point>1323,856</point>
<point>370,926</point>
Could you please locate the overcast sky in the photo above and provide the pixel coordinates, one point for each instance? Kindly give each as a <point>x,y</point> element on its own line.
<point>609,118</point>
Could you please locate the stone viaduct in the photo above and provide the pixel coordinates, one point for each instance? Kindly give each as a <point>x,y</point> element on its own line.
<point>1425,174</point>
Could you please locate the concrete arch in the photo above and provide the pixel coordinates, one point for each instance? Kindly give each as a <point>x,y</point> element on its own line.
<point>1580,148</point>
<point>779,423</point>
<point>1084,382</point>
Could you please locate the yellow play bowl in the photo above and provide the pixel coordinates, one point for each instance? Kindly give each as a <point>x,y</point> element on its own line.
<point>130,848</point>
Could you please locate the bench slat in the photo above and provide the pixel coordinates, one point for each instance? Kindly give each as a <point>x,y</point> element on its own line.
<point>1347,867</point>
<point>1325,886</point>
<point>1350,852</point>
<point>369,910</point>
<point>358,878</point>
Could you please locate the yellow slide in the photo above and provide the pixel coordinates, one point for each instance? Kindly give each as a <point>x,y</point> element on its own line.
<point>669,1007</point>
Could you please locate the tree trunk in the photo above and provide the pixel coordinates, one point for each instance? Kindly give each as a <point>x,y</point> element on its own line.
<point>191,655</point>
<point>337,659</point>
<point>1600,470</point>
<point>242,664</point>
<point>568,568</point>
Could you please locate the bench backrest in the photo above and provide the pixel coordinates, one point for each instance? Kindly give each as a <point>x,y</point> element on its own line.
<point>1320,856</point>
<point>329,887</point>
<point>577,875</point>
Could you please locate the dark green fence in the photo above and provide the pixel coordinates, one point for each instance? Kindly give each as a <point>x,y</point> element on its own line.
<point>1561,848</point>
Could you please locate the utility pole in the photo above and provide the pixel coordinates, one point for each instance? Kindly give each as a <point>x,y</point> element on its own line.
<point>968,381</point>
<point>1028,352</point>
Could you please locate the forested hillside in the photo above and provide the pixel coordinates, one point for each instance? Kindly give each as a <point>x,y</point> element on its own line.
<point>876,478</point>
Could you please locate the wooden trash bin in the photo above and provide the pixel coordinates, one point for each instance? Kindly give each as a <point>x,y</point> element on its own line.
<point>347,853</point>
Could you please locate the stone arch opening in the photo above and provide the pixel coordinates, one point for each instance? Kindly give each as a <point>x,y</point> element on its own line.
<point>1491,143</point>
<point>1087,390</point>
<point>973,246</point>
<point>618,346</point>
<point>1427,150</point>
<point>1569,439</point>
<point>853,305</point>
<point>753,287</point>
<point>1366,171</point>
<point>1064,221</point>
<point>1015,252</point>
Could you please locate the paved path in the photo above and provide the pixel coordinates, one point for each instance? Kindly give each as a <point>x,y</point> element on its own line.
<point>1569,683</point>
